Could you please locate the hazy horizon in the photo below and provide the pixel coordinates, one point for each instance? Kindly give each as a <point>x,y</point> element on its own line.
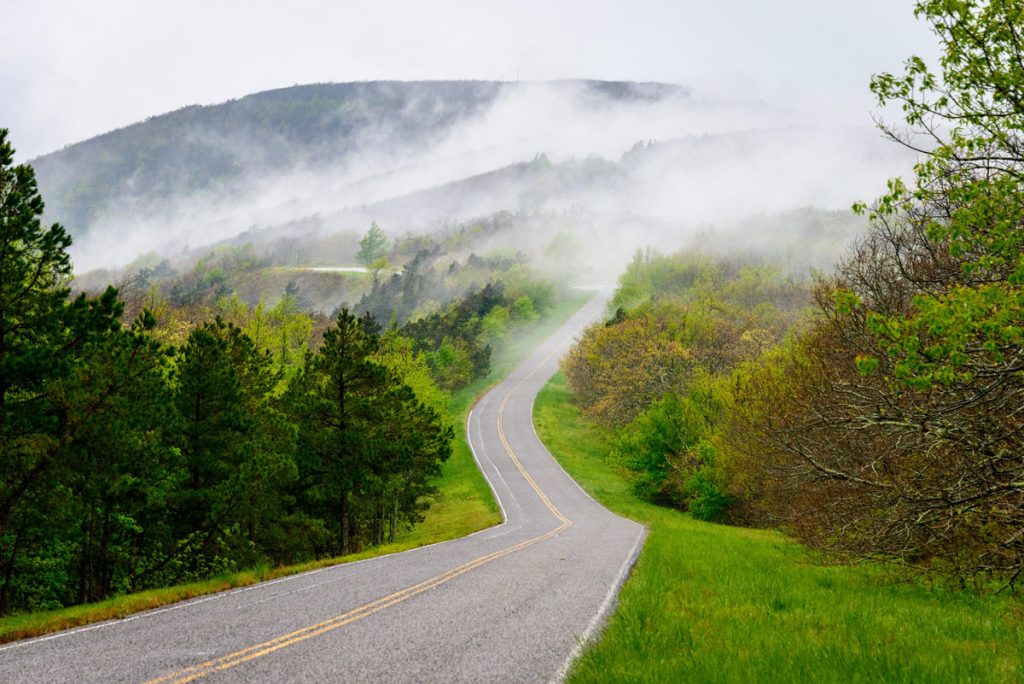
<point>73,71</point>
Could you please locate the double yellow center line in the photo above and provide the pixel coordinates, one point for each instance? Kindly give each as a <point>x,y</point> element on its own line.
<point>244,655</point>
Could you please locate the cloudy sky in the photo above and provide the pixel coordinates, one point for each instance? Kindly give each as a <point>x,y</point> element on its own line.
<point>71,69</point>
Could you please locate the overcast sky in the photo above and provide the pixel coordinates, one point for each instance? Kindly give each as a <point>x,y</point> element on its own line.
<point>70,70</point>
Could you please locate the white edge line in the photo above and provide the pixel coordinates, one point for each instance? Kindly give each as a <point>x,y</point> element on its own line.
<point>497,471</point>
<point>480,467</point>
<point>627,565</point>
<point>603,611</point>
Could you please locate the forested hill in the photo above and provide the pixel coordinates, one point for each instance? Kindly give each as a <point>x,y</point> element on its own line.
<point>212,147</point>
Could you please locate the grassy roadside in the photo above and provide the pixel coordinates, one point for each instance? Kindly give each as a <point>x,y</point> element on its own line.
<point>711,603</point>
<point>464,505</point>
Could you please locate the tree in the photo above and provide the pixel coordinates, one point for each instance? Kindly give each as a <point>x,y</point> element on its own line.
<point>236,454</point>
<point>617,371</point>
<point>893,430</point>
<point>955,353</point>
<point>373,246</point>
<point>667,446</point>
<point>964,210</point>
<point>398,354</point>
<point>368,445</point>
<point>334,400</point>
<point>42,332</point>
<point>414,442</point>
<point>119,427</point>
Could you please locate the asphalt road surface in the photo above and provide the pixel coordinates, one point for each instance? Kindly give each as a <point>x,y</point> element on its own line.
<point>511,603</point>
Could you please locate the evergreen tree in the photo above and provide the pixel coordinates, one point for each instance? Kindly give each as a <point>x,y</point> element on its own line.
<point>42,333</point>
<point>235,450</point>
<point>335,400</point>
<point>373,246</point>
<point>368,445</point>
<point>121,465</point>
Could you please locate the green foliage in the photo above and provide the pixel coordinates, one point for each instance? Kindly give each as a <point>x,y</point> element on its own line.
<point>452,364</point>
<point>967,194</point>
<point>44,336</point>
<point>522,286</point>
<point>373,246</point>
<point>658,376</point>
<point>890,430</point>
<point>367,446</point>
<point>284,331</point>
<point>648,445</point>
<point>716,603</point>
<point>123,465</point>
<point>457,340</point>
<point>707,498</point>
<point>668,453</point>
<point>650,274</point>
<point>397,354</point>
<point>494,326</point>
<point>524,310</point>
<point>236,450</point>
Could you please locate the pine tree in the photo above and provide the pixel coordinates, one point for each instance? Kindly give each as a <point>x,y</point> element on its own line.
<point>373,246</point>
<point>236,454</point>
<point>335,400</point>
<point>122,467</point>
<point>42,334</point>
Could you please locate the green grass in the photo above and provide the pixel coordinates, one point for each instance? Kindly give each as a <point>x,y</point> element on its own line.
<point>464,505</point>
<point>712,603</point>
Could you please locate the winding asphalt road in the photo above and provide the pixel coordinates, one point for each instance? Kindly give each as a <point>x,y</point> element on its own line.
<point>511,603</point>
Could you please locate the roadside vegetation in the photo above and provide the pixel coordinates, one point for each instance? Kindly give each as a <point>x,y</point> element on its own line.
<point>713,603</point>
<point>874,413</point>
<point>860,430</point>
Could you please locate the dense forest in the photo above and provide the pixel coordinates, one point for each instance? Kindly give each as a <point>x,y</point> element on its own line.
<point>171,430</point>
<point>874,413</point>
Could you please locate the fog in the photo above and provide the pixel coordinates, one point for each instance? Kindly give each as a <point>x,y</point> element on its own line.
<point>657,168</point>
<point>72,70</point>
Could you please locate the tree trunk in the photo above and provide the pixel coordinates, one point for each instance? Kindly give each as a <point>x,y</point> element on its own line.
<point>394,519</point>
<point>5,590</point>
<point>84,560</point>
<point>105,571</point>
<point>344,524</point>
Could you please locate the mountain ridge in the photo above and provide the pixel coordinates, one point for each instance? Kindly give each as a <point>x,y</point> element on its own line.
<point>199,147</point>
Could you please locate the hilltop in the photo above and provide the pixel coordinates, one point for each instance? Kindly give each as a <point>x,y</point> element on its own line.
<point>313,127</point>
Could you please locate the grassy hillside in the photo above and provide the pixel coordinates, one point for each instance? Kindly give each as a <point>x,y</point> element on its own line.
<point>710,603</point>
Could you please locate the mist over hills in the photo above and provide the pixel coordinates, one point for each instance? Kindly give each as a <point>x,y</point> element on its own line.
<point>201,147</point>
<point>648,162</point>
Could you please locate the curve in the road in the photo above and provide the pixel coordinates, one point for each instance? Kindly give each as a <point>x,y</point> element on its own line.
<point>550,607</point>
<point>194,672</point>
